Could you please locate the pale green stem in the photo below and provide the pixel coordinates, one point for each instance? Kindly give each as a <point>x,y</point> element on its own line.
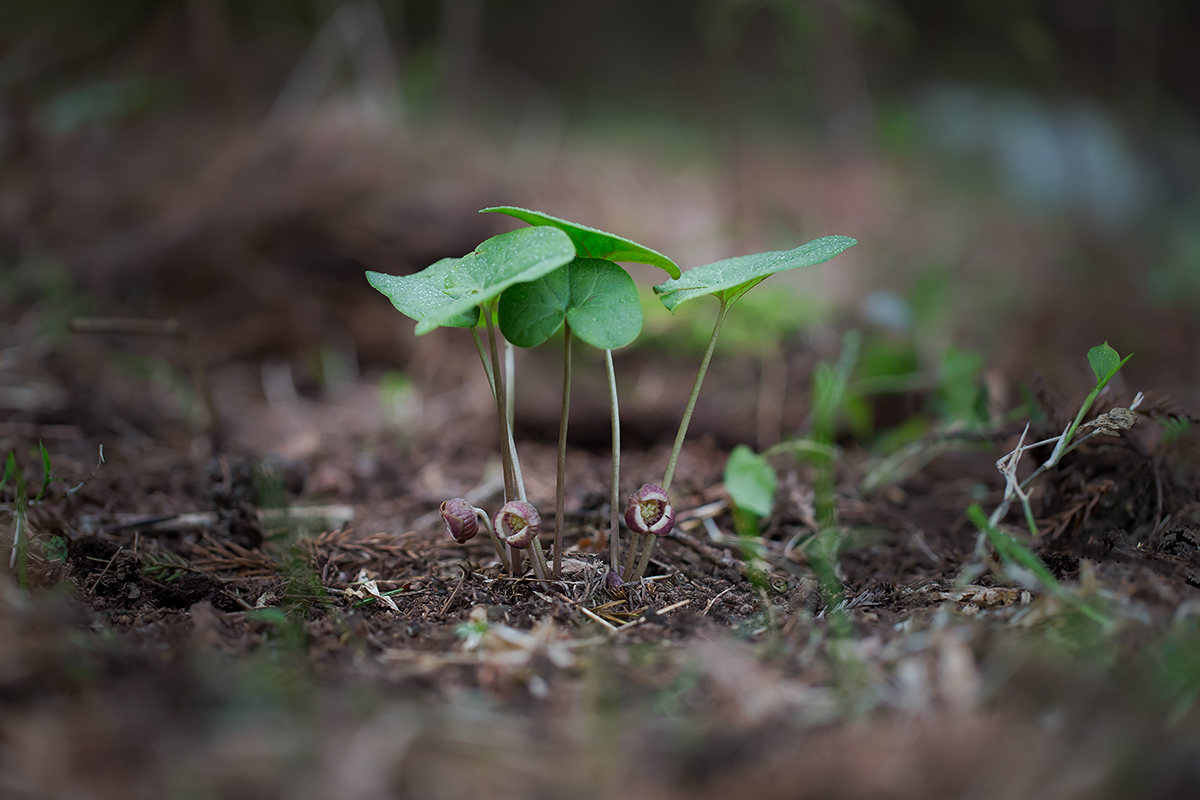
<point>614,529</point>
<point>510,387</point>
<point>631,556</point>
<point>560,483</point>
<point>483,357</point>
<point>691,406</point>
<point>508,446</point>
<point>538,556</point>
<point>648,549</point>
<point>645,560</point>
<point>1069,433</point>
<point>483,517</point>
<point>516,465</point>
<point>501,413</point>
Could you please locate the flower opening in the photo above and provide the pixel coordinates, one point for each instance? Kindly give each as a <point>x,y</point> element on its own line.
<point>650,511</point>
<point>518,523</point>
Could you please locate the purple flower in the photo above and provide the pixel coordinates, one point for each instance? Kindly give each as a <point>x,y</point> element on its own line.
<point>612,581</point>
<point>460,519</point>
<point>650,511</point>
<point>518,523</point>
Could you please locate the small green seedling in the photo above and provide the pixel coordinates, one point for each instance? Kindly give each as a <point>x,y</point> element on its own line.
<point>21,502</point>
<point>592,298</point>
<point>727,280</point>
<point>1105,363</point>
<point>16,560</point>
<point>595,300</point>
<point>457,292</point>
<point>750,482</point>
<point>560,274</point>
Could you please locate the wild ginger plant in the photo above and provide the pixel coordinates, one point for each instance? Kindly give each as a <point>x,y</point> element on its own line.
<point>728,281</point>
<point>531,284</point>
<point>458,293</point>
<point>595,299</point>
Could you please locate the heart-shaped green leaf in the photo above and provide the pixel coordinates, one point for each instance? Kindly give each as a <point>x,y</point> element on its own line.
<point>750,481</point>
<point>593,243</point>
<point>1105,362</point>
<point>419,295</point>
<point>596,297</point>
<point>496,264</point>
<point>733,277</point>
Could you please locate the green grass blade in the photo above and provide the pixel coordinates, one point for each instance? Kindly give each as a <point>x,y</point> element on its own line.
<point>10,466</point>
<point>1013,552</point>
<point>45,472</point>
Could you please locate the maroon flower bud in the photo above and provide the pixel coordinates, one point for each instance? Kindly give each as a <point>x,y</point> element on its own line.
<point>650,511</point>
<point>518,523</point>
<point>612,581</point>
<point>460,519</point>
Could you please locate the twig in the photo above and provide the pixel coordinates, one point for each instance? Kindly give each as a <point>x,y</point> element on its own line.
<point>653,613</point>
<point>672,607</point>
<point>454,594</point>
<point>104,571</point>
<point>598,618</point>
<point>713,602</point>
<point>79,485</point>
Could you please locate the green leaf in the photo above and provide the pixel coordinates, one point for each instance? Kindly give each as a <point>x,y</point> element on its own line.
<point>56,549</point>
<point>593,243</point>
<point>750,481</point>
<point>733,277</point>
<point>598,298</point>
<point>800,448</point>
<point>498,263</point>
<point>1105,362</point>
<point>423,293</point>
<point>530,313</point>
<point>10,467</point>
<point>45,472</point>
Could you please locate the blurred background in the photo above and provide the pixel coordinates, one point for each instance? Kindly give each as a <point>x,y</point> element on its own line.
<point>1023,177</point>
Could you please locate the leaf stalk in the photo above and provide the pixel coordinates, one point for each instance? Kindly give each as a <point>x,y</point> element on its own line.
<point>560,483</point>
